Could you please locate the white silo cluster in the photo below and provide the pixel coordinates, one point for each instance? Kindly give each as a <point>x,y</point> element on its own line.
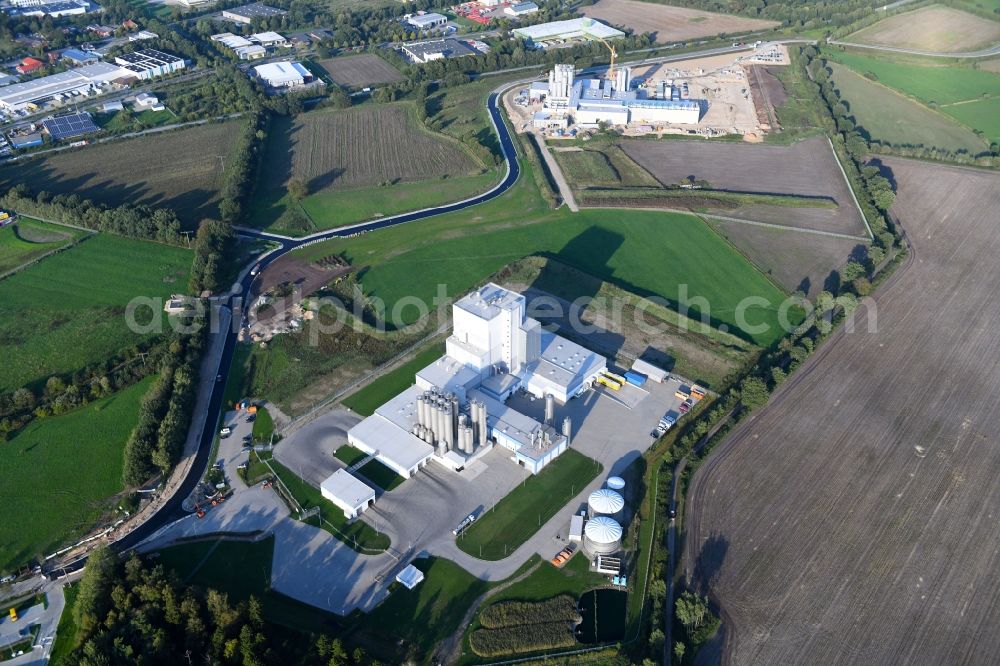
<point>440,424</point>
<point>605,501</point>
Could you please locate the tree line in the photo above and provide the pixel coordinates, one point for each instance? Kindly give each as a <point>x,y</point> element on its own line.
<point>157,441</point>
<point>133,612</point>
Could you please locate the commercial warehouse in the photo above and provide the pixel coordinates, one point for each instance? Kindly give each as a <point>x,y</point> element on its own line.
<point>349,494</point>
<point>150,63</point>
<point>246,14</point>
<point>283,74</point>
<point>578,28</point>
<point>83,80</point>
<point>437,49</point>
<point>427,21</point>
<point>456,411</point>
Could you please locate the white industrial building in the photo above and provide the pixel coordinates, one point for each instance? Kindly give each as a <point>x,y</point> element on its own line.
<point>594,101</point>
<point>521,9</point>
<point>54,9</point>
<point>85,80</point>
<point>283,74</point>
<point>457,410</point>
<point>427,21</point>
<point>231,41</point>
<point>347,492</point>
<point>149,63</point>
<point>268,39</point>
<point>578,28</point>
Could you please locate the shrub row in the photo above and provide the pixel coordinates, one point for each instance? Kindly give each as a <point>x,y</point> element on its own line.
<point>520,639</point>
<point>521,613</point>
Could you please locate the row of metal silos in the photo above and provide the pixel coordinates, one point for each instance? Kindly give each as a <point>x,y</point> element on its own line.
<point>440,424</point>
<point>602,534</point>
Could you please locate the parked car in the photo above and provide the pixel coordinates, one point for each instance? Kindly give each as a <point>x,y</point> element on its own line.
<point>226,432</point>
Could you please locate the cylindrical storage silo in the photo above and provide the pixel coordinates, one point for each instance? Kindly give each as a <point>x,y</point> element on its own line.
<point>567,429</point>
<point>550,408</point>
<point>616,483</point>
<point>605,502</point>
<point>602,536</point>
<point>484,432</point>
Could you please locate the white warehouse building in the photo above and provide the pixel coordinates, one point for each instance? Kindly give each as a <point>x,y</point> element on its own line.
<point>457,410</point>
<point>349,494</point>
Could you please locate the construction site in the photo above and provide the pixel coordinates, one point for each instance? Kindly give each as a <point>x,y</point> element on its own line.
<point>713,96</point>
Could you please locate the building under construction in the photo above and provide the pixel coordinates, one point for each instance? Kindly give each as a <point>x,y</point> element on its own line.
<point>457,410</point>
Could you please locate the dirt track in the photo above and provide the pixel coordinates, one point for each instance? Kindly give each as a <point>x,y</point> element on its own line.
<point>855,520</point>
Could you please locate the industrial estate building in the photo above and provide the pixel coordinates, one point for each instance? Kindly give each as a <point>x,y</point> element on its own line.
<point>54,9</point>
<point>521,9</point>
<point>588,102</point>
<point>246,14</point>
<point>80,81</point>
<point>283,74</point>
<point>351,495</point>
<point>149,63</point>
<point>70,126</point>
<point>457,410</point>
<point>427,21</point>
<point>578,28</point>
<point>437,49</point>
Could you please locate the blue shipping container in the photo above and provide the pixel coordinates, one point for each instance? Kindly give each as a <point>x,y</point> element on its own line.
<point>636,378</point>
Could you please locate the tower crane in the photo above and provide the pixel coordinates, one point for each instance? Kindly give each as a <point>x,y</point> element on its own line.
<point>614,54</point>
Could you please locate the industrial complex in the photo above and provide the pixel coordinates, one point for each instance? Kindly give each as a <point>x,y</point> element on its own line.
<point>456,410</point>
<point>546,34</point>
<point>588,102</point>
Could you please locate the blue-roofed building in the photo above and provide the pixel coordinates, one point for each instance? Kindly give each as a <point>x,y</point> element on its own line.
<point>79,57</point>
<point>70,126</point>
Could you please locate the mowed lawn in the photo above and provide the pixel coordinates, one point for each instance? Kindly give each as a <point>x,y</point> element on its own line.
<point>28,239</point>
<point>501,529</point>
<point>58,473</point>
<point>360,163</point>
<point>68,311</point>
<point>889,117</point>
<point>392,383</point>
<point>966,94</point>
<point>670,255</point>
<point>182,170</point>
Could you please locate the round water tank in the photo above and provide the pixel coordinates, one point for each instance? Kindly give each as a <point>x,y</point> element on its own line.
<point>616,483</point>
<point>605,501</point>
<point>602,536</point>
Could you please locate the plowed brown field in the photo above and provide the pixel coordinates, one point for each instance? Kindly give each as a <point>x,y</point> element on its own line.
<point>856,520</point>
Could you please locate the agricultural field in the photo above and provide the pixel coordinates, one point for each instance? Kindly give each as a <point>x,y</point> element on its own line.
<point>360,70</point>
<point>67,311</point>
<point>26,240</point>
<point>53,321</point>
<point>966,94</point>
<point>889,117</point>
<point>808,168</point>
<point>672,24</point>
<point>182,170</point>
<point>808,263</point>
<point>47,499</point>
<point>934,28</point>
<point>853,520</point>
<point>646,252</point>
<point>360,163</point>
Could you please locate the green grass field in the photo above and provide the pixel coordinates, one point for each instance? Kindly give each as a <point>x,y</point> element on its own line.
<point>955,90</point>
<point>889,117</point>
<point>209,564</point>
<point>371,397</point>
<point>380,475</point>
<point>357,533</point>
<point>547,581</point>
<point>429,613</point>
<point>646,252</point>
<point>68,311</point>
<point>263,425</point>
<point>349,455</point>
<point>27,239</point>
<point>66,630</point>
<point>130,122</point>
<point>59,472</point>
<point>515,518</point>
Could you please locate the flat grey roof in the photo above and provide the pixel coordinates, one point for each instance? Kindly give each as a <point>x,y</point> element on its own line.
<point>345,487</point>
<point>390,441</point>
<point>487,301</point>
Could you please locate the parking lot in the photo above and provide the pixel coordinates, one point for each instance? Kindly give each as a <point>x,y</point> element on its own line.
<point>309,450</point>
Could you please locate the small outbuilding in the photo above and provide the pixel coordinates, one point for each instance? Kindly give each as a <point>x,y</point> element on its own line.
<point>348,493</point>
<point>658,375</point>
<point>410,577</point>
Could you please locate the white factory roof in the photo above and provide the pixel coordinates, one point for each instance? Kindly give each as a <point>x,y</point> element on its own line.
<point>345,487</point>
<point>615,482</point>
<point>419,20</point>
<point>603,530</point>
<point>487,301</point>
<point>280,72</point>
<point>47,86</point>
<point>604,500</point>
<point>268,36</point>
<point>449,375</point>
<point>402,410</point>
<point>230,40</point>
<point>562,361</point>
<point>578,27</point>
<point>390,441</point>
<point>514,425</point>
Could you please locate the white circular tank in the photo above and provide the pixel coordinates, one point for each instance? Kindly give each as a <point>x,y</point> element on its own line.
<point>602,536</point>
<point>605,501</point>
<point>616,483</point>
